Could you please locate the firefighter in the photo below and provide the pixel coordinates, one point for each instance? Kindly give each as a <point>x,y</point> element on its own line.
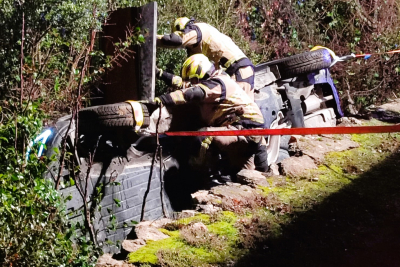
<point>219,48</point>
<point>223,105</point>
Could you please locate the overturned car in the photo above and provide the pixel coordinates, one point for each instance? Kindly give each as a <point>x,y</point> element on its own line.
<point>126,180</point>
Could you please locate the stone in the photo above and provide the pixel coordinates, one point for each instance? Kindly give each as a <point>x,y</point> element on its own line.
<point>187,214</point>
<point>147,230</point>
<point>316,146</point>
<point>133,245</point>
<point>208,209</point>
<point>198,226</point>
<point>106,260</point>
<point>296,166</point>
<point>204,197</point>
<point>157,223</point>
<point>392,106</point>
<point>200,196</point>
<point>252,178</point>
<point>348,121</point>
<point>234,190</point>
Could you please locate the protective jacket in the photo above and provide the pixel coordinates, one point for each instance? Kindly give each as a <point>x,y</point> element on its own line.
<point>221,100</point>
<point>205,39</point>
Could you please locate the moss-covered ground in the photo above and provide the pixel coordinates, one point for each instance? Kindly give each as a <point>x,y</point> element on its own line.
<point>345,213</point>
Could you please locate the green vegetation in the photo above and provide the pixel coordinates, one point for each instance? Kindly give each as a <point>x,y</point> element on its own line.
<point>50,62</point>
<point>193,246</point>
<point>34,230</point>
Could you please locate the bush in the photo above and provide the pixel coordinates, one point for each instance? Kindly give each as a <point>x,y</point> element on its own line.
<point>34,230</point>
<point>50,61</point>
<point>284,28</point>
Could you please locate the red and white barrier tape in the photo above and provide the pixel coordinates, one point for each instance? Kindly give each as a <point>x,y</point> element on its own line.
<point>293,131</point>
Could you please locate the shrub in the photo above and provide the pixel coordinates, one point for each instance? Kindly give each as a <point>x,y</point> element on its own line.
<point>282,28</point>
<point>34,230</point>
<point>49,56</point>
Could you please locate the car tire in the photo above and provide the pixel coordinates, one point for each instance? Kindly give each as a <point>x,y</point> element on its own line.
<point>303,63</point>
<point>111,116</point>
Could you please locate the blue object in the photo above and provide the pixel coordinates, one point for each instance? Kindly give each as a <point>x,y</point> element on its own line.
<point>367,56</point>
<point>42,138</point>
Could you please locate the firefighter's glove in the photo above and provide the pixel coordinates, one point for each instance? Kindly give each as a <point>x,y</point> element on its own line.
<point>177,81</point>
<point>201,157</point>
<point>159,72</point>
<point>157,101</point>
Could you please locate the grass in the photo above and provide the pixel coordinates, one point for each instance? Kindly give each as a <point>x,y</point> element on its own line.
<point>187,247</point>
<point>326,217</point>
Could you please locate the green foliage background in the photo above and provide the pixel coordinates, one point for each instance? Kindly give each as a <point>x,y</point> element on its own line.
<point>33,227</point>
<point>44,46</point>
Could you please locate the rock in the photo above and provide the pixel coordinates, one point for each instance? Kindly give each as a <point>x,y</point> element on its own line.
<point>317,146</point>
<point>234,190</point>
<point>204,197</point>
<point>148,230</point>
<point>157,223</point>
<point>233,197</point>
<point>348,121</point>
<point>342,145</point>
<point>187,214</point>
<point>133,245</point>
<point>200,196</point>
<point>392,106</point>
<point>296,166</point>
<point>106,260</point>
<point>252,178</point>
<point>208,209</point>
<point>198,226</point>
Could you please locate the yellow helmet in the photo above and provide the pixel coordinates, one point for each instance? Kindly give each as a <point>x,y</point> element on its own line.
<point>197,66</point>
<point>180,24</point>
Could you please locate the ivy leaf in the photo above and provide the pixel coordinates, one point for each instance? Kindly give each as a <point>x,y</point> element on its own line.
<point>117,202</point>
<point>141,38</point>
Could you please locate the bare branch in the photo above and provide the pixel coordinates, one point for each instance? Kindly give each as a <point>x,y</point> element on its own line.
<point>22,57</point>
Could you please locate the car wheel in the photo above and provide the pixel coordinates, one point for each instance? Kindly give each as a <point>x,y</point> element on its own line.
<point>303,63</point>
<point>106,117</point>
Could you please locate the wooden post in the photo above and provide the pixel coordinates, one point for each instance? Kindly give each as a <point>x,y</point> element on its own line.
<point>135,78</point>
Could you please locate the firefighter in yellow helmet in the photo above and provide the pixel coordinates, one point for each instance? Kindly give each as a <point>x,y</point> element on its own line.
<point>218,47</point>
<point>223,105</point>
